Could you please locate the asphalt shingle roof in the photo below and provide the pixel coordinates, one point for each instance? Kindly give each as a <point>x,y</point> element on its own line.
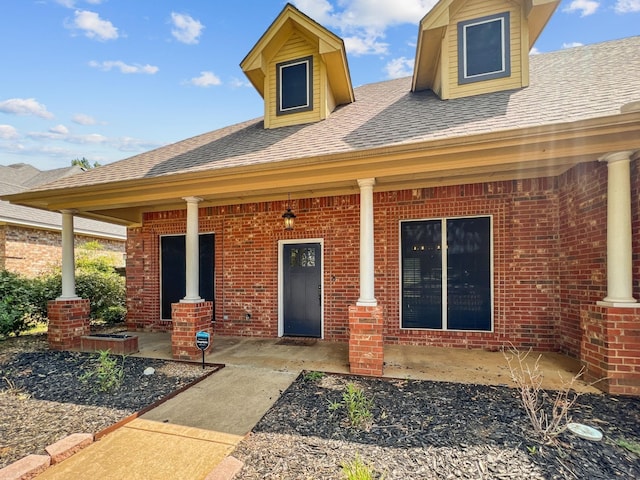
<point>20,177</point>
<point>567,85</point>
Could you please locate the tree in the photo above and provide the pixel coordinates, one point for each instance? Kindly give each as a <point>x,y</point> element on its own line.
<point>84,163</point>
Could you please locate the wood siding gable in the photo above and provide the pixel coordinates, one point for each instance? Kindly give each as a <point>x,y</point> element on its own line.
<point>294,36</point>
<point>437,53</point>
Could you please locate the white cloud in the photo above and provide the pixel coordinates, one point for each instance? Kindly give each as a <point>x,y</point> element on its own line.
<point>627,6</point>
<point>59,130</point>
<point>572,44</point>
<point>399,67</point>
<point>72,3</point>
<point>25,106</point>
<point>186,29</point>
<point>534,51</point>
<point>82,119</point>
<point>8,132</point>
<point>585,7</point>
<point>206,79</point>
<point>124,67</point>
<point>366,43</point>
<point>239,83</point>
<point>94,27</point>
<point>92,138</point>
<point>363,23</point>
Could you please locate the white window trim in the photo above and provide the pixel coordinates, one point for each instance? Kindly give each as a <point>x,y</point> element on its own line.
<point>281,244</point>
<point>444,275</point>
<point>463,77</point>
<point>299,108</point>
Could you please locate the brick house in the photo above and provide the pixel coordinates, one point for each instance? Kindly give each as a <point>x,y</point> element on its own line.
<point>30,239</point>
<point>491,198</point>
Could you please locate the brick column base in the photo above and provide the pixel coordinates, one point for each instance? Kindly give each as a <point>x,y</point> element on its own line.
<point>68,322</point>
<point>366,349</point>
<point>188,319</point>
<point>610,349</point>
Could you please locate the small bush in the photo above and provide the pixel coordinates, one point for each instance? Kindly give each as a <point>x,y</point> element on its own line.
<point>16,308</point>
<point>356,469</point>
<point>107,374</point>
<point>96,280</point>
<point>358,406</point>
<point>548,413</point>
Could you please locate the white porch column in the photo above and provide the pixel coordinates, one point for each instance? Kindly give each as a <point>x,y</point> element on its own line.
<point>192,252</point>
<point>68,258</point>
<point>619,246</point>
<point>367,280</point>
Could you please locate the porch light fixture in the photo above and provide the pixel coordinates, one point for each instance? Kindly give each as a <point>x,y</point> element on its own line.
<point>288,216</point>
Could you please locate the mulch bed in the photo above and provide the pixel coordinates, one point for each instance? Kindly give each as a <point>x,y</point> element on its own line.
<point>419,429</point>
<point>43,397</point>
<point>439,430</point>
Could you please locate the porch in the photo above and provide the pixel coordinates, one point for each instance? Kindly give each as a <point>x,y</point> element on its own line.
<point>401,361</point>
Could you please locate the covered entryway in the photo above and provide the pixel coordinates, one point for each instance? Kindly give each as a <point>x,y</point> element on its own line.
<point>301,296</point>
<point>173,267</point>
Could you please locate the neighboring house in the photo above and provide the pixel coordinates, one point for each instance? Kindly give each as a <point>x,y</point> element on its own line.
<point>30,239</point>
<point>491,199</point>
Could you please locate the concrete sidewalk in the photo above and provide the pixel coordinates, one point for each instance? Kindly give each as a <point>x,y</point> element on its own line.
<point>186,437</point>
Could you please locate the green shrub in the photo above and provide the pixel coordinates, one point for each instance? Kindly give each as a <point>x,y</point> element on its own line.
<point>106,374</point>
<point>96,280</point>
<point>357,405</point>
<point>16,308</point>
<point>356,469</point>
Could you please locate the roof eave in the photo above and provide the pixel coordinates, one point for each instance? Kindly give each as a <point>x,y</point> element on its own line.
<point>559,145</point>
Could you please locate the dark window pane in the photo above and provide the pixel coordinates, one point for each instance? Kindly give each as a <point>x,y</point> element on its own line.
<point>484,48</point>
<point>294,87</point>
<point>422,274</point>
<point>469,274</point>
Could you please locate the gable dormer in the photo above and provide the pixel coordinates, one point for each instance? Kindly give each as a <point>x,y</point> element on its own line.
<point>300,70</point>
<point>469,47</point>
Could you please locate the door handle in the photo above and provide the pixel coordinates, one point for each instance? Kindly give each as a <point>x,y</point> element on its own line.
<point>320,295</point>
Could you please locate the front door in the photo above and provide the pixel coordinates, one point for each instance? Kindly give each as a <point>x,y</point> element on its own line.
<point>302,290</point>
<point>173,261</point>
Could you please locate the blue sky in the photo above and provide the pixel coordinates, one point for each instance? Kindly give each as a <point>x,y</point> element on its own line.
<point>107,79</point>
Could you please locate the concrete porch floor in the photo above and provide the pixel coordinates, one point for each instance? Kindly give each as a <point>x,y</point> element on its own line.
<point>406,362</point>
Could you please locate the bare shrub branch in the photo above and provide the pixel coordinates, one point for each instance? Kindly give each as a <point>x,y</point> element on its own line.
<point>548,412</point>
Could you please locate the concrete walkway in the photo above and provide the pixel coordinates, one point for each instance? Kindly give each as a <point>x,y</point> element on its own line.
<point>186,437</point>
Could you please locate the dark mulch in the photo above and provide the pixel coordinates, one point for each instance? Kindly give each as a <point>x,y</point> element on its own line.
<point>424,429</point>
<point>56,376</point>
<point>43,397</point>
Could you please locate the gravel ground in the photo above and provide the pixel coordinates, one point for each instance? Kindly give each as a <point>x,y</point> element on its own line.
<point>434,430</point>
<point>43,399</point>
<point>418,430</point>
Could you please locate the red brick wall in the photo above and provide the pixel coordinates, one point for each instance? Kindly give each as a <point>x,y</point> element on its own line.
<point>3,259</point>
<point>31,251</point>
<point>549,258</point>
<point>524,248</point>
<point>583,256</point>
<point>525,218</point>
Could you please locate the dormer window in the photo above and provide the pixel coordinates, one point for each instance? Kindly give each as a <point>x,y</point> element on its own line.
<point>295,86</point>
<point>483,49</point>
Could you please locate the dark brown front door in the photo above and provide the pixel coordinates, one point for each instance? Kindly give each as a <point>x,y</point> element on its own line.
<point>302,288</point>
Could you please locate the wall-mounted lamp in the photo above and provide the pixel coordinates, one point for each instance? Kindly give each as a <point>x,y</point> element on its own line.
<point>288,216</point>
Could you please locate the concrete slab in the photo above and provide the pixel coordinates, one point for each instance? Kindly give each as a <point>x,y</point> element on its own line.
<point>400,361</point>
<point>231,400</point>
<point>147,450</point>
